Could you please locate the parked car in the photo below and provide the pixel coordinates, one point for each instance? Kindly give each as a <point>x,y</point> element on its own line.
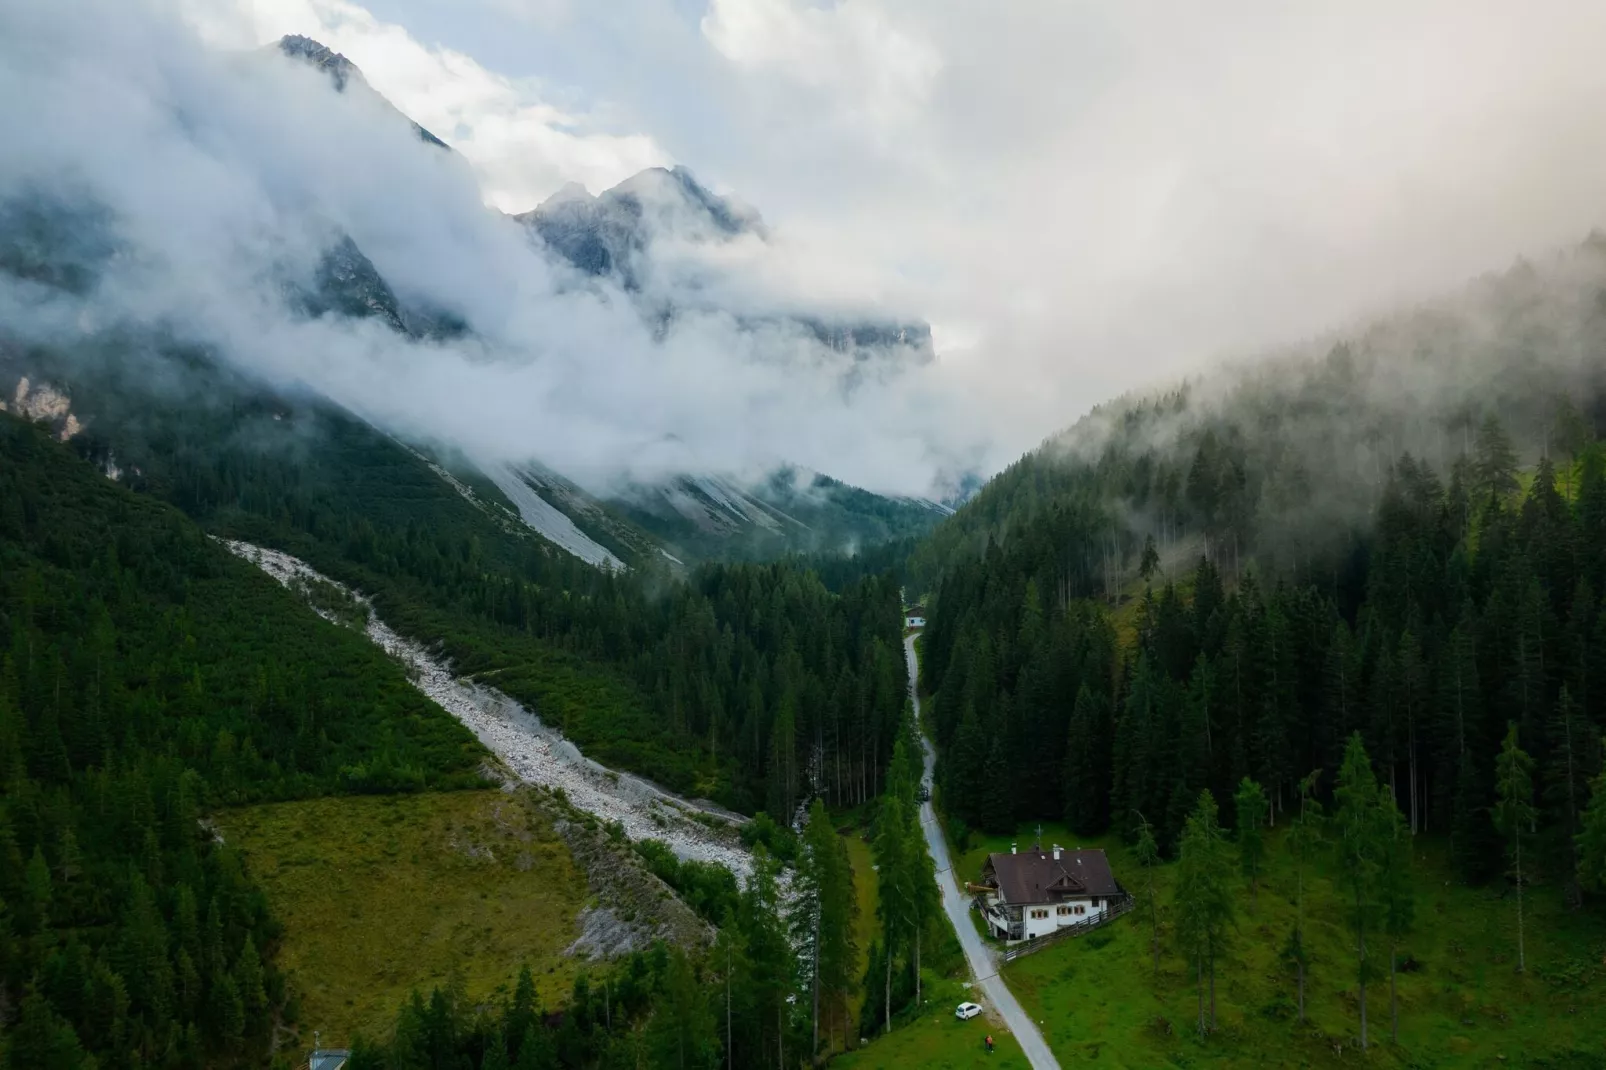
<point>924,794</point>
<point>967,1010</point>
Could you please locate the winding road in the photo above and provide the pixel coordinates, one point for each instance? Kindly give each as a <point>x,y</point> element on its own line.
<point>983,966</point>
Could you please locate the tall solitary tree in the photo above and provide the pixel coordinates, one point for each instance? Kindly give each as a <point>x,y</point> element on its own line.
<point>920,880</point>
<point>1250,803</point>
<point>1357,844</point>
<point>1514,814</point>
<point>1591,839</point>
<point>1572,743</point>
<point>889,847</point>
<point>1394,892</point>
<point>1204,900</point>
<point>822,918</point>
<point>1148,853</point>
<point>1304,834</point>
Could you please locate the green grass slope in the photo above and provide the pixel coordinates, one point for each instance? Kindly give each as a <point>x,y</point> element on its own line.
<point>381,896</point>
<point>1462,1003</point>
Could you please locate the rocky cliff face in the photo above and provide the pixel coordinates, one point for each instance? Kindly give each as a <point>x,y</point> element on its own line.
<point>615,233</point>
<point>44,404</point>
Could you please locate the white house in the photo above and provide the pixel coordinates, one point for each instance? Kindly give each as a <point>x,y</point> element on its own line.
<point>1025,894</point>
<point>914,617</point>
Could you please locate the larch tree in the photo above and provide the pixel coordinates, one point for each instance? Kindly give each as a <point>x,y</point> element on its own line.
<point>1514,815</point>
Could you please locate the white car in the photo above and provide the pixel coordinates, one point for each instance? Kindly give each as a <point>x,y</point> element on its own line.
<point>967,1010</point>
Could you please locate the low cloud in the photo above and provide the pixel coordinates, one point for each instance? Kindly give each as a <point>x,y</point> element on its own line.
<point>227,174</point>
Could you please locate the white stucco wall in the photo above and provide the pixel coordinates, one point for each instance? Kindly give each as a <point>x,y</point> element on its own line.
<point>1055,920</point>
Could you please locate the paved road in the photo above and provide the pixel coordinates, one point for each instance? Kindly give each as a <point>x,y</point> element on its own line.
<point>996,994</point>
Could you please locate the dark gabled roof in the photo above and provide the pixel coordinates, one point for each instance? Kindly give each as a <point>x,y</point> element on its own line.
<point>1035,877</point>
<point>915,611</point>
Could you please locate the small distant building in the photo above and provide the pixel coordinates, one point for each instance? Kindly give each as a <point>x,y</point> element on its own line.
<point>914,617</point>
<point>323,1058</point>
<point>1027,894</point>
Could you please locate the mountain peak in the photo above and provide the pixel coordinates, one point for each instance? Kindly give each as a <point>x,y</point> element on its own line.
<point>319,55</point>
<point>341,72</point>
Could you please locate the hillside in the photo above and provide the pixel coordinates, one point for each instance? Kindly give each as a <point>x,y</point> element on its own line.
<point>1393,540</point>
<point>148,677</point>
<point>1461,1000</point>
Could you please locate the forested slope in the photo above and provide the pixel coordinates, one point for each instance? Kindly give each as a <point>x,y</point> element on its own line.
<point>148,675</point>
<point>1404,536</point>
<point>738,682</point>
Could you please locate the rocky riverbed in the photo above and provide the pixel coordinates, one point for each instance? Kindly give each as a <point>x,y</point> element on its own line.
<point>530,750</point>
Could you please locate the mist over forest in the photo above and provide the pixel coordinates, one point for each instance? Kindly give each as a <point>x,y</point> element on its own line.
<point>881,533</point>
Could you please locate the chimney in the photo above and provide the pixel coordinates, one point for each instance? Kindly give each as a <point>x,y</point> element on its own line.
<point>1011,848</point>
<point>1056,852</point>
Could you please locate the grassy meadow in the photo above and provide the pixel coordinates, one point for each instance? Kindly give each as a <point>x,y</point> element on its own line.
<point>1461,1001</point>
<point>936,1040</point>
<point>380,895</point>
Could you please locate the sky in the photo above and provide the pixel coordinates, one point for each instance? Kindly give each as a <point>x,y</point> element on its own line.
<point>1081,198</point>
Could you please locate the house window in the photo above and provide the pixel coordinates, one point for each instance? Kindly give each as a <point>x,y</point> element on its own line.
<point>1040,913</point>
<point>1095,900</point>
<point>1062,911</point>
<point>1080,909</point>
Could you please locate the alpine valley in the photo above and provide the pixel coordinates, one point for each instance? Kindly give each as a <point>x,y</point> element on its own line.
<point>426,642</point>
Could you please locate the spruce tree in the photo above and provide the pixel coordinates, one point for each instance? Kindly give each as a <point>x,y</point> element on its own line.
<point>1514,815</point>
<point>1250,804</point>
<point>1358,843</point>
<point>1395,893</point>
<point>1087,793</point>
<point>1495,467</point>
<point>893,906</point>
<point>1591,839</point>
<point>1204,900</point>
<point>1304,835</point>
<point>1573,743</point>
<point>1148,856</point>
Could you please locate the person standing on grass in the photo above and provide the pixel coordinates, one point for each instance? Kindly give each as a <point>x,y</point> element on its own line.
<point>989,1043</point>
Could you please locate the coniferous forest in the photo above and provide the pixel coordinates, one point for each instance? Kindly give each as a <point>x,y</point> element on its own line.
<point>1192,622</point>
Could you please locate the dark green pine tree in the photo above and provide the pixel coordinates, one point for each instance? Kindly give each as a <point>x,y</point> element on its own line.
<point>1359,843</point>
<point>1204,905</point>
<point>1514,816</point>
<point>1574,746</point>
<point>965,768</point>
<point>1250,807</point>
<point>1495,464</point>
<point>1087,763</point>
